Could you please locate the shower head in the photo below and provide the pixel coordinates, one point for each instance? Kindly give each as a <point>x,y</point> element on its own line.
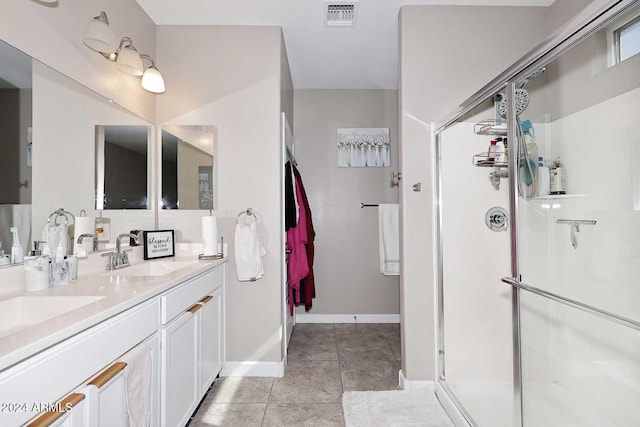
<point>522,102</point>
<point>537,73</point>
<point>534,75</point>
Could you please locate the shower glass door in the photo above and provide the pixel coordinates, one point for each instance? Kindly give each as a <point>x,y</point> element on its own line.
<point>476,364</point>
<point>581,362</point>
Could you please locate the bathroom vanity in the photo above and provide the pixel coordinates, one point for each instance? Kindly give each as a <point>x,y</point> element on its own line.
<point>60,348</point>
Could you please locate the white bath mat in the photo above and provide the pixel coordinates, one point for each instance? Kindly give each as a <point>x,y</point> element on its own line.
<point>402,408</point>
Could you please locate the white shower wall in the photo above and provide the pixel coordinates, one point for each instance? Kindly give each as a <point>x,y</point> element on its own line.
<point>591,359</point>
<point>477,306</point>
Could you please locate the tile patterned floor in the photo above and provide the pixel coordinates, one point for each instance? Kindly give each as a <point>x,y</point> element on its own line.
<point>324,360</point>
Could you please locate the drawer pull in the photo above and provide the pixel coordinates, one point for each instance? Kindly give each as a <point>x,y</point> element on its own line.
<point>48,418</point>
<point>107,374</point>
<point>194,308</point>
<point>206,299</point>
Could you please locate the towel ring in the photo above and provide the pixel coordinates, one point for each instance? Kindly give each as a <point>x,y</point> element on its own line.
<point>61,213</point>
<point>248,212</point>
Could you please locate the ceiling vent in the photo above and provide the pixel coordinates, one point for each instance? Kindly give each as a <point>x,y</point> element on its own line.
<point>340,14</point>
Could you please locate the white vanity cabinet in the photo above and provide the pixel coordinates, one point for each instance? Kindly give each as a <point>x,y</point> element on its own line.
<point>49,375</point>
<point>107,397</point>
<point>191,343</point>
<point>179,367</point>
<point>211,338</point>
<point>107,393</point>
<point>184,328</point>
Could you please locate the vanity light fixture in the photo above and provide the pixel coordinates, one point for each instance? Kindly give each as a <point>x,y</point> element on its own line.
<point>128,60</point>
<point>152,80</point>
<point>99,37</point>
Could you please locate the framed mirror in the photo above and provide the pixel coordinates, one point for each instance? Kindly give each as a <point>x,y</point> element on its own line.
<point>188,171</point>
<point>121,167</point>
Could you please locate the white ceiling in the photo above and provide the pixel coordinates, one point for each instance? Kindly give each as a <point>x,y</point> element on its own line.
<point>364,57</point>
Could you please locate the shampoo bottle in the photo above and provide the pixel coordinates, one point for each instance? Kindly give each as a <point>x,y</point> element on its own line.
<point>544,178</point>
<point>558,184</point>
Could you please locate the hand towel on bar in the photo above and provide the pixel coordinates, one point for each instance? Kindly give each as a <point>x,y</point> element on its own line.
<point>389,238</point>
<point>248,250</point>
<point>137,377</point>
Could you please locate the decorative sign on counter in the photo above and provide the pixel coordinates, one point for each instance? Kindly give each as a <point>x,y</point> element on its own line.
<point>159,244</point>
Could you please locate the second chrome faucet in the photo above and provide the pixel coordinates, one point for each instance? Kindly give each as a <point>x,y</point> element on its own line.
<point>119,258</point>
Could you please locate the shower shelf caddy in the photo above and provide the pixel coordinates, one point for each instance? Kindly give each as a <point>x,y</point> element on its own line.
<point>491,127</point>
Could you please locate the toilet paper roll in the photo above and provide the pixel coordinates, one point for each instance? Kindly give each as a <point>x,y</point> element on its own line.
<point>209,235</point>
<point>83,225</point>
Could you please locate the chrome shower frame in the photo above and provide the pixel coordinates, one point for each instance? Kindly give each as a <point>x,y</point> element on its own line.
<point>594,17</point>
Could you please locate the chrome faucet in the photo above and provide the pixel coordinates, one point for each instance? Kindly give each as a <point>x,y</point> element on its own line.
<point>119,258</point>
<point>93,237</point>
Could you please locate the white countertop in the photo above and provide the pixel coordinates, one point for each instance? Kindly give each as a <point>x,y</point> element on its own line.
<point>118,293</point>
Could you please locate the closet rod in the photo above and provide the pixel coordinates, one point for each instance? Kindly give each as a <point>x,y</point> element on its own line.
<point>368,205</point>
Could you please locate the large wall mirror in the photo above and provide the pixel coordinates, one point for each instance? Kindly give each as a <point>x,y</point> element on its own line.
<point>188,172</point>
<point>48,132</point>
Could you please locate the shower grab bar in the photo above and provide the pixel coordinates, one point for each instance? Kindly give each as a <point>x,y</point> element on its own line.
<point>624,321</point>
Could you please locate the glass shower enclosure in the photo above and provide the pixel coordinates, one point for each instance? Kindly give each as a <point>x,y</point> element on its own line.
<point>539,241</point>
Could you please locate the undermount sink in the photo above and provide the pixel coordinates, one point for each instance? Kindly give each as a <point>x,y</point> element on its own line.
<point>17,313</point>
<point>151,268</point>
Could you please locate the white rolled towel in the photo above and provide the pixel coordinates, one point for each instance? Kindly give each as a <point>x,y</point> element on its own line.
<point>389,238</point>
<point>249,251</point>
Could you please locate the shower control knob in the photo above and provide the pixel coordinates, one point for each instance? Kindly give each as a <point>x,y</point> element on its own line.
<point>496,219</point>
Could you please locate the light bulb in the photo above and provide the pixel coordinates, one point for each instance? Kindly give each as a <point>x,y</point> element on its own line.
<point>152,80</point>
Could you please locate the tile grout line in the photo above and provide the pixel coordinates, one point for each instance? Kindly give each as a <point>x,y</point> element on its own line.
<point>264,414</point>
<point>335,337</point>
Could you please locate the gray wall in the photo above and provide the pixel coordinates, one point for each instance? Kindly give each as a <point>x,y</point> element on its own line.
<point>561,11</point>
<point>347,275</point>
<point>446,54</point>
<point>234,84</point>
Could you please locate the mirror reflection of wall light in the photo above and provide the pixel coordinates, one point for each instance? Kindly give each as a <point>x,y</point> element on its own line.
<point>99,37</point>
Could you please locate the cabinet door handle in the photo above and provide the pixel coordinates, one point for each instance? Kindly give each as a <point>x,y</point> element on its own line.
<point>47,418</point>
<point>194,308</point>
<point>206,299</point>
<point>107,374</point>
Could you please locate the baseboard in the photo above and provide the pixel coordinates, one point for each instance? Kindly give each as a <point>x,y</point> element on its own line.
<point>450,408</point>
<point>347,318</point>
<point>406,384</point>
<point>253,369</point>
